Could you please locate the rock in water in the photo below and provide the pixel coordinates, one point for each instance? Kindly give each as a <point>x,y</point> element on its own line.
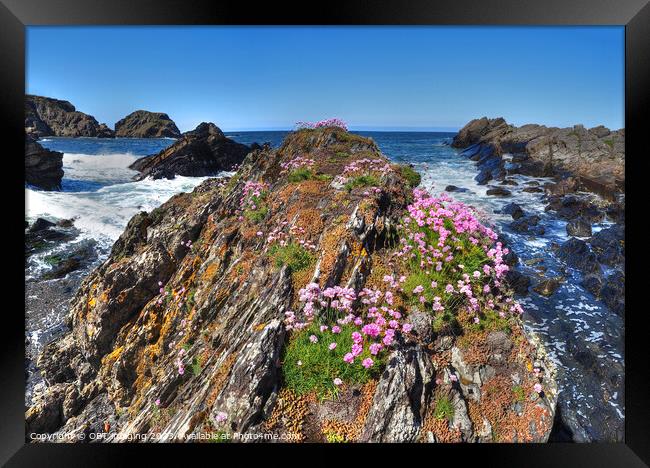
<point>609,245</point>
<point>518,282</point>
<point>613,292</point>
<point>203,151</point>
<point>576,254</point>
<point>499,192</point>
<point>145,124</point>
<point>590,158</point>
<point>579,227</point>
<point>547,287</point>
<point>183,329</point>
<point>43,168</point>
<point>513,210</point>
<point>47,116</point>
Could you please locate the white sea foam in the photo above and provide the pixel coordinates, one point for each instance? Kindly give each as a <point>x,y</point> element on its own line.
<point>103,214</point>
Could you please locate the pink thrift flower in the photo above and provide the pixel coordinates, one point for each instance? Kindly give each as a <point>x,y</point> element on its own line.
<point>336,329</point>
<point>221,417</point>
<point>313,339</point>
<point>337,381</point>
<point>407,327</point>
<point>367,363</point>
<point>332,346</point>
<point>453,377</point>
<point>158,402</point>
<point>538,388</point>
<point>323,328</point>
<point>349,357</point>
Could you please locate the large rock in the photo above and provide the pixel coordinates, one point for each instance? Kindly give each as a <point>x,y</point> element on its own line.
<point>595,158</point>
<point>401,397</point>
<point>43,168</point>
<point>609,245</point>
<point>53,117</point>
<point>613,292</point>
<point>181,330</point>
<point>201,152</point>
<point>579,227</point>
<point>145,124</point>
<point>576,254</point>
<point>513,209</point>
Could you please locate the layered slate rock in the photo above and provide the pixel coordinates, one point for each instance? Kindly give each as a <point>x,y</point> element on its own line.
<point>594,157</point>
<point>53,117</point>
<point>43,168</point>
<point>145,124</point>
<point>182,329</point>
<point>203,151</point>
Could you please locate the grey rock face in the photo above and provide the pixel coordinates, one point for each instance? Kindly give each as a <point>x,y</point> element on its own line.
<point>201,152</point>
<point>43,168</point>
<point>145,124</point>
<point>52,117</point>
<point>401,397</point>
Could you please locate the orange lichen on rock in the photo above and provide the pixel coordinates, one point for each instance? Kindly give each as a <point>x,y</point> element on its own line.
<point>289,414</point>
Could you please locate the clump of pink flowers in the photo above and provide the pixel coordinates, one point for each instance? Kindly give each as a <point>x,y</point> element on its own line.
<point>298,162</point>
<point>334,122</point>
<point>251,195</point>
<point>283,237</point>
<point>366,166</point>
<point>375,321</point>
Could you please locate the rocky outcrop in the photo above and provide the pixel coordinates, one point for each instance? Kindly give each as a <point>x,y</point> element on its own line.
<point>145,124</point>
<point>594,158</point>
<point>201,152</point>
<point>53,117</point>
<point>43,168</point>
<point>183,329</point>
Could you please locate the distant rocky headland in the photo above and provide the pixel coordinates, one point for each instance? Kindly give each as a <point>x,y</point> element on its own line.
<point>46,116</point>
<point>53,117</point>
<point>145,124</point>
<point>580,158</point>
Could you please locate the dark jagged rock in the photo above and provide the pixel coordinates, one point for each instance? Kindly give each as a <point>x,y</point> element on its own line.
<point>44,234</point>
<point>514,210</point>
<point>595,158</point>
<point>498,192</point>
<point>613,292</point>
<point>532,190</point>
<point>508,182</point>
<point>145,124</point>
<point>547,287</point>
<point>576,254</point>
<point>592,283</point>
<point>527,224</point>
<point>609,245</point>
<point>65,263</point>
<point>579,227</point>
<point>41,224</point>
<point>518,282</point>
<point>201,152</point>
<point>453,188</point>
<point>52,117</point>
<point>43,168</point>
<point>571,206</point>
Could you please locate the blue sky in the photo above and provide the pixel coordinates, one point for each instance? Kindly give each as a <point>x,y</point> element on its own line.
<point>383,78</point>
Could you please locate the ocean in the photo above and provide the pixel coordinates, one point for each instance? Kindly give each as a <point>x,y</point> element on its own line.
<point>99,193</point>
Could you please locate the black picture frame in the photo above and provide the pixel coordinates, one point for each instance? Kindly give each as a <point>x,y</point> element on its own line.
<point>633,14</point>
